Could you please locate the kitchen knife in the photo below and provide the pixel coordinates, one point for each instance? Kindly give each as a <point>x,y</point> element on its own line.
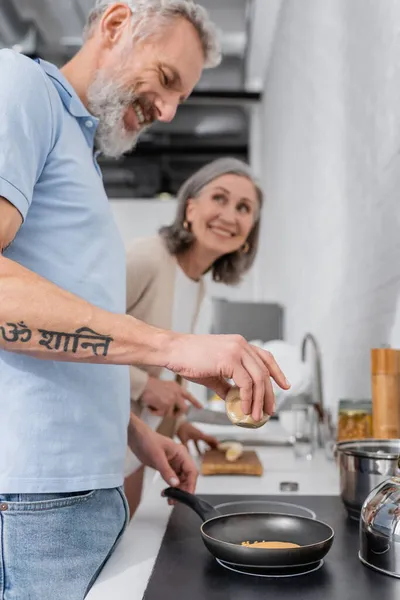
<point>205,415</point>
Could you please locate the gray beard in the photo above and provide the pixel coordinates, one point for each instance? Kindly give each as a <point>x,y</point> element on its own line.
<point>108,101</point>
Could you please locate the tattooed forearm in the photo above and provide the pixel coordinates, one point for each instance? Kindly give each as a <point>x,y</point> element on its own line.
<point>83,337</point>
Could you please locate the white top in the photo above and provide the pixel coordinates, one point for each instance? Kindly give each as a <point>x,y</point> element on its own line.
<point>184,310</point>
<point>186,298</point>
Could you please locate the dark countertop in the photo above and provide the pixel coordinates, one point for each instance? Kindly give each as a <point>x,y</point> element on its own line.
<point>185,570</point>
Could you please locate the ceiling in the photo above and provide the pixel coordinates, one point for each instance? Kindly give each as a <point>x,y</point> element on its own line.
<point>54,27</point>
<point>215,120</point>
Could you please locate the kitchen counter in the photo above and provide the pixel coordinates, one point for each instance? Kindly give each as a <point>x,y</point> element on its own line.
<point>127,572</point>
<point>184,567</point>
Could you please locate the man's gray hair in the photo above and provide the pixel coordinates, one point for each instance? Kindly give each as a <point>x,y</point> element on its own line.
<point>146,14</point>
<point>178,239</point>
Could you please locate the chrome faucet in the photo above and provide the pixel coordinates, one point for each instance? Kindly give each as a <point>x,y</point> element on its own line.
<point>319,399</point>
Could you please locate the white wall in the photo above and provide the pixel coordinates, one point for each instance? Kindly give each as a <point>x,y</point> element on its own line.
<point>331,171</point>
<point>142,218</point>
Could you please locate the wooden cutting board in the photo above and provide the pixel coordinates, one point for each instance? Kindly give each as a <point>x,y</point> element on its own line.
<point>215,463</point>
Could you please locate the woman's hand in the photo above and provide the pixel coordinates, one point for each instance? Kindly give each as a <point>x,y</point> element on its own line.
<point>187,432</point>
<point>167,398</point>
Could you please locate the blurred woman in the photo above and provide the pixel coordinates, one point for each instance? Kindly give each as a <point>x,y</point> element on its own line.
<point>215,231</point>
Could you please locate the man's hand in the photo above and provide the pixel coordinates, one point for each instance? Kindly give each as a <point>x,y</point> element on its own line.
<point>171,460</point>
<point>167,398</point>
<point>187,432</point>
<point>212,359</point>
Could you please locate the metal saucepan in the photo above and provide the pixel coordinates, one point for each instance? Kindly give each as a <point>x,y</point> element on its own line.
<point>224,534</point>
<point>364,464</point>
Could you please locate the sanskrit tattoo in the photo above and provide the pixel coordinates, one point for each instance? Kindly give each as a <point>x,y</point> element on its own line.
<point>16,332</point>
<point>84,338</point>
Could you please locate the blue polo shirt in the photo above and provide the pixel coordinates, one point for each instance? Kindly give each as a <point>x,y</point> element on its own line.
<point>63,426</point>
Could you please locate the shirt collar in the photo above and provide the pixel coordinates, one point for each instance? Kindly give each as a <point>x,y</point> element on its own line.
<point>68,95</point>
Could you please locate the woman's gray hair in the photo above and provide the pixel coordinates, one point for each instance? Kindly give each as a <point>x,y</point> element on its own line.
<point>229,268</point>
<point>147,15</point>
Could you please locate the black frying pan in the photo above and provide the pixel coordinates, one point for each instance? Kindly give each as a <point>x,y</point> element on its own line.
<point>223,535</point>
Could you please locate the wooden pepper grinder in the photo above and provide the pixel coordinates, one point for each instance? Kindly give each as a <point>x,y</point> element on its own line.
<point>385,373</point>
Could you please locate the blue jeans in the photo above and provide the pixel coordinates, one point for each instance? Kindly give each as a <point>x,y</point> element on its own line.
<point>53,546</point>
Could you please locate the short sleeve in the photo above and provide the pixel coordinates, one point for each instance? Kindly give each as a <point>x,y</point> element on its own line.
<point>26,127</point>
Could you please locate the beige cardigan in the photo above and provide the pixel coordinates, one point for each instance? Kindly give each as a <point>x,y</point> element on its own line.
<point>151,272</point>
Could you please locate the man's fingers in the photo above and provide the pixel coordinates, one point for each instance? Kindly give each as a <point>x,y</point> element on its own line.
<point>186,468</point>
<point>188,481</point>
<point>244,382</point>
<point>256,392</point>
<point>269,399</point>
<point>273,368</point>
<point>269,396</point>
<point>219,385</point>
<point>167,472</point>
<point>257,374</point>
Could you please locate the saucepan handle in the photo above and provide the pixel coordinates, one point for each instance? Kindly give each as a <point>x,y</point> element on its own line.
<point>201,507</point>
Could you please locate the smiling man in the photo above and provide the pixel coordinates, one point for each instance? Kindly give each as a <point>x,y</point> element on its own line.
<point>65,341</point>
<point>130,78</point>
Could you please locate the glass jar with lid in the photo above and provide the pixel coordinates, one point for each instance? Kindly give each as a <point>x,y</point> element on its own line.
<point>354,420</point>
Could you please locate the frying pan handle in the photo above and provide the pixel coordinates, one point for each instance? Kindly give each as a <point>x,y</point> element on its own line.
<point>201,507</point>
